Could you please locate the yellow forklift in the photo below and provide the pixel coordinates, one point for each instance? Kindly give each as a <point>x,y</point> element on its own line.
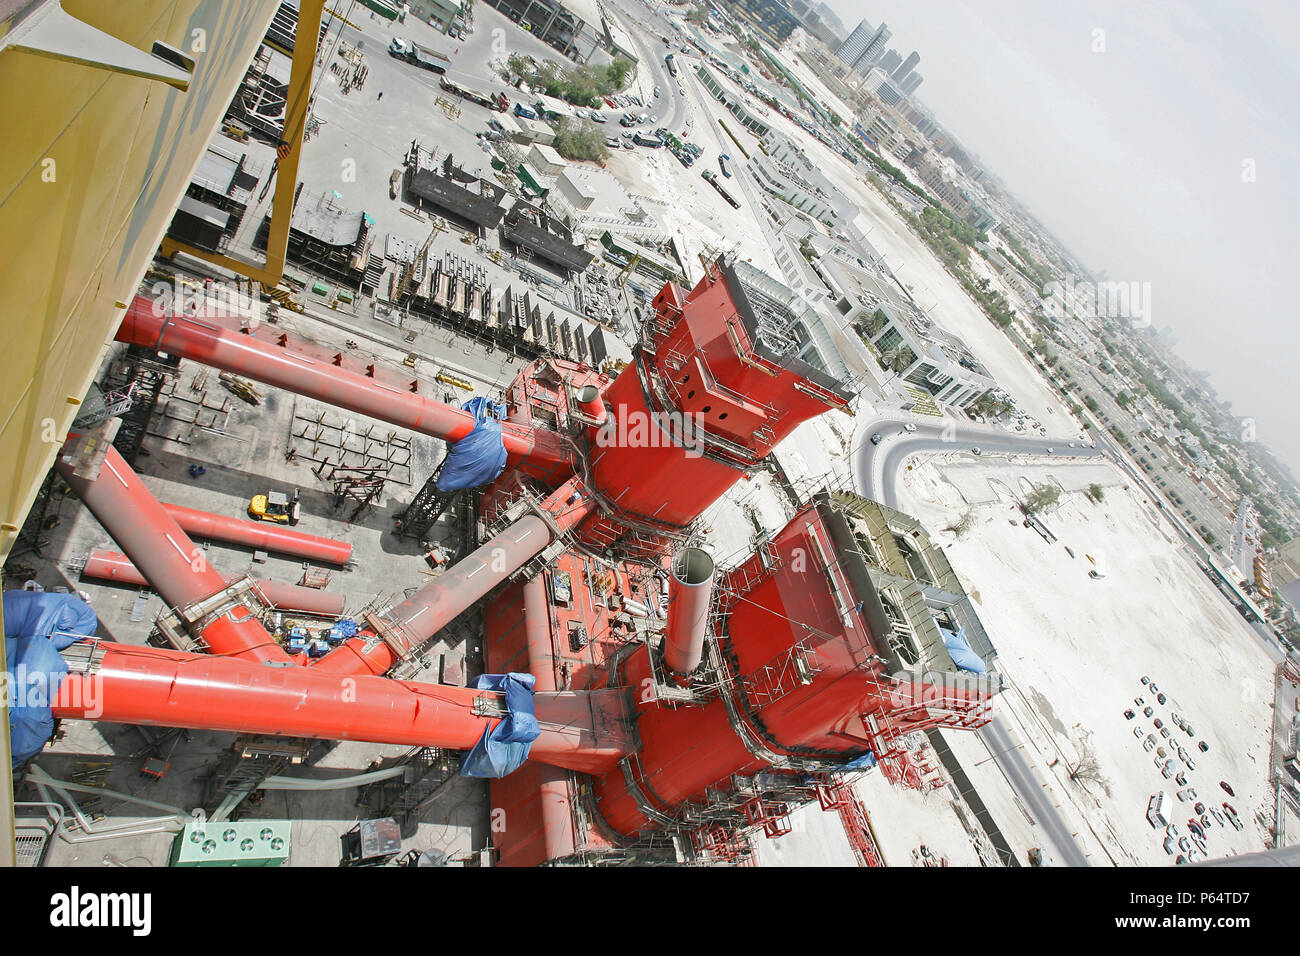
<point>274,506</point>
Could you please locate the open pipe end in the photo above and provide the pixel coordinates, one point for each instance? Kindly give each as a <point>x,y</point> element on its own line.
<point>692,567</point>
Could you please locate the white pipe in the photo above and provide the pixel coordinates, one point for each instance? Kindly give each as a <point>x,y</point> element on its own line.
<point>338,783</point>
<point>172,823</point>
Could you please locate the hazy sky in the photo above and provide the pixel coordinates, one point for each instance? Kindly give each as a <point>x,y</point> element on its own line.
<point>1133,157</point>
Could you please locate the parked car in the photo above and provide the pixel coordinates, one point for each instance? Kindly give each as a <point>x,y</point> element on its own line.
<point>1180,778</point>
<point>1218,817</point>
<point>1233,818</point>
<point>1226,789</point>
<point>597,116</point>
<point>1137,731</point>
<point>1196,828</point>
<point>1186,795</point>
<point>1191,764</point>
<point>1129,714</point>
<point>1161,698</point>
<point>1204,747</point>
<point>1199,808</point>
<point>1150,743</point>
<point>976,451</point>
<point>1158,723</point>
<point>1139,701</point>
<point>875,439</point>
<point>1145,679</point>
<point>1164,732</point>
<point>1148,711</point>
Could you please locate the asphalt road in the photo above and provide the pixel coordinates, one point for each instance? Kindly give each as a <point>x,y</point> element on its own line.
<point>1013,764</point>
<point>670,107</point>
<point>878,466</point>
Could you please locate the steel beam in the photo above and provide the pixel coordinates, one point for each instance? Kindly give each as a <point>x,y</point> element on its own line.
<point>297,100</point>
<point>176,567</point>
<point>103,565</point>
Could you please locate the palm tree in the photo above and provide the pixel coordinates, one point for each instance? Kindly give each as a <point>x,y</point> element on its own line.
<point>898,358</point>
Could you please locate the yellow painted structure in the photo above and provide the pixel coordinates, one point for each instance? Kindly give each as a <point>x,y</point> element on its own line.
<point>95,162</point>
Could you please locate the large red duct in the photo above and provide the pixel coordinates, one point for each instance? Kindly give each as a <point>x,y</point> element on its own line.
<point>263,354</point>
<point>173,564</point>
<point>440,601</point>
<point>113,566</point>
<point>265,535</point>
<point>158,687</point>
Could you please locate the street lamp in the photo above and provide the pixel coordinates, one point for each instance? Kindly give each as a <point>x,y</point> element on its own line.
<point>998,754</point>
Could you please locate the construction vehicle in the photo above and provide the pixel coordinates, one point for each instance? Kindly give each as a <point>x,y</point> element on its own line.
<point>274,506</point>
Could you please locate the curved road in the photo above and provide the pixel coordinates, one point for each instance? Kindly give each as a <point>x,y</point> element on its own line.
<point>877,468</point>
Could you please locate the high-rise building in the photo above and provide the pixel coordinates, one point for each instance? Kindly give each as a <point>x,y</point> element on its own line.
<point>911,83</point>
<point>875,49</point>
<point>889,62</point>
<point>878,82</point>
<point>899,74</point>
<point>852,48</point>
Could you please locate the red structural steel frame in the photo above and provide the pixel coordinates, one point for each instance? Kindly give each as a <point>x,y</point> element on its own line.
<point>842,798</point>
<point>103,565</point>
<point>176,567</point>
<point>702,363</point>
<point>266,355</point>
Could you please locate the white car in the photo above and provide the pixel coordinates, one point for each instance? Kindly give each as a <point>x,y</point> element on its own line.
<point>909,427</point>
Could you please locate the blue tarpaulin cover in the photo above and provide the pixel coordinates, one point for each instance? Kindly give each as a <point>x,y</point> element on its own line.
<point>504,748</point>
<point>960,651</point>
<point>864,762</point>
<point>481,455</point>
<point>36,669</point>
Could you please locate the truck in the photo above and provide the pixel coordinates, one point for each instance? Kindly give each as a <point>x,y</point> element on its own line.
<point>498,101</point>
<point>524,111</point>
<point>411,52</point>
<point>671,62</point>
<point>1158,809</point>
<point>712,180</point>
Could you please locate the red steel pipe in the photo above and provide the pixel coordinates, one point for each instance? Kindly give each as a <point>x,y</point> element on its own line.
<point>244,353</point>
<point>176,567</point>
<point>436,604</point>
<point>552,785</point>
<point>690,590</point>
<point>105,565</point>
<point>159,687</point>
<point>265,535</point>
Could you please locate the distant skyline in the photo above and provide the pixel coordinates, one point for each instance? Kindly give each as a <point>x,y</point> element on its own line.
<point>1140,158</point>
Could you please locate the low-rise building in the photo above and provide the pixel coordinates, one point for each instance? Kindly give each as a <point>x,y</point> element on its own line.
<point>593,201</point>
<point>915,349</point>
